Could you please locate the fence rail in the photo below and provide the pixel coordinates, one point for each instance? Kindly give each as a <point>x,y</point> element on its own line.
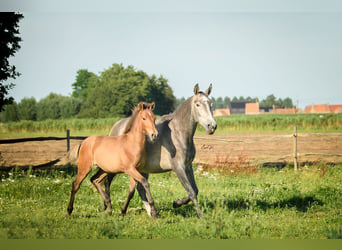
<point>47,138</point>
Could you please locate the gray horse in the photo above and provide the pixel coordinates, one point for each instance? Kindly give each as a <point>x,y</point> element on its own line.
<point>174,148</point>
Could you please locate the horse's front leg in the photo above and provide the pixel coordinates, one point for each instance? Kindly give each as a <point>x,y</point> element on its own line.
<point>183,201</point>
<point>187,179</point>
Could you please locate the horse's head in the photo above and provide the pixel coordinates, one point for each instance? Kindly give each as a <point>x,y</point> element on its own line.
<point>147,119</point>
<point>201,107</point>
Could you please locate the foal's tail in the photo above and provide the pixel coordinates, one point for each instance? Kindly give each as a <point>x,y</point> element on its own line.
<point>71,157</point>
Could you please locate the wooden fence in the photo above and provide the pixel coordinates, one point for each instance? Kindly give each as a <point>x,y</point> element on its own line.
<point>47,138</point>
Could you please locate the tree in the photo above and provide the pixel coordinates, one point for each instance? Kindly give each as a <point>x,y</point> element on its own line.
<point>69,107</point>
<point>27,109</point>
<point>10,113</point>
<point>9,44</point>
<point>49,107</point>
<point>118,89</point>
<point>287,103</point>
<point>270,101</point>
<point>84,79</point>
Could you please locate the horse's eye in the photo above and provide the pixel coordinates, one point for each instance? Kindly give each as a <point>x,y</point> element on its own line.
<point>144,118</point>
<point>197,104</point>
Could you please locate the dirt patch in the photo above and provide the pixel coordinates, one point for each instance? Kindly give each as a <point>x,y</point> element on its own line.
<point>225,149</point>
<point>256,149</point>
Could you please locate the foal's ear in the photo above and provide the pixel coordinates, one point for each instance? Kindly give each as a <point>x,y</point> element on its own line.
<point>208,91</point>
<point>196,89</point>
<point>140,106</point>
<point>151,106</point>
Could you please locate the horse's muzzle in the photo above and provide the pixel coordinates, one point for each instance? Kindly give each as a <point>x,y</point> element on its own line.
<point>212,128</point>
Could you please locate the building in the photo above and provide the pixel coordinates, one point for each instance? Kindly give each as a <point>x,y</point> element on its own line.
<point>252,108</point>
<point>285,110</point>
<point>221,112</point>
<point>238,107</point>
<point>324,108</point>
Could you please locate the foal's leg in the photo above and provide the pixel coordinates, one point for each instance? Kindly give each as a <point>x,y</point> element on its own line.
<point>142,193</point>
<point>96,180</point>
<point>82,173</point>
<point>130,195</point>
<point>142,180</point>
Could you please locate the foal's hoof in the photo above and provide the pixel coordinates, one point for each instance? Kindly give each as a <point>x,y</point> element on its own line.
<point>101,208</point>
<point>155,216</point>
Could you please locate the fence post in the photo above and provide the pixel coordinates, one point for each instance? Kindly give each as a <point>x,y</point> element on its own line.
<point>295,162</point>
<point>68,140</point>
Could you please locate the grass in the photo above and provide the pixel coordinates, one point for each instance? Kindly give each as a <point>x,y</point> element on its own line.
<point>234,123</point>
<point>263,204</point>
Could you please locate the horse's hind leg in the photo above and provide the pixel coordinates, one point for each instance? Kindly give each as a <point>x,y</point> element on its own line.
<point>107,181</point>
<point>96,180</point>
<point>130,195</point>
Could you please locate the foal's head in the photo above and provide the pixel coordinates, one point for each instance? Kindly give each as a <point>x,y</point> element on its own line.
<point>147,119</point>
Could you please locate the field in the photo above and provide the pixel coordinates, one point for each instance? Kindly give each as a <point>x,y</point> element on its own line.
<point>264,204</point>
<point>248,188</point>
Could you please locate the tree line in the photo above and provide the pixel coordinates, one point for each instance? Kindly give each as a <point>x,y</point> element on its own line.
<point>112,93</point>
<point>269,101</point>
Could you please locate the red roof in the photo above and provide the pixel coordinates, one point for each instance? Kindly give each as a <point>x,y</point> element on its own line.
<point>324,108</point>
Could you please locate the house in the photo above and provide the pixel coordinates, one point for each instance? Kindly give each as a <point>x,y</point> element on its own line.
<point>238,107</point>
<point>221,112</point>
<point>324,108</point>
<point>252,108</point>
<point>285,110</point>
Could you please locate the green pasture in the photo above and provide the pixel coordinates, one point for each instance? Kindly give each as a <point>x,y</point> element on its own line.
<point>226,124</point>
<point>265,204</point>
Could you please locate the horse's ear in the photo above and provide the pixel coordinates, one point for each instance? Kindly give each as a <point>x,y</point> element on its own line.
<point>196,89</point>
<point>151,106</point>
<point>208,91</point>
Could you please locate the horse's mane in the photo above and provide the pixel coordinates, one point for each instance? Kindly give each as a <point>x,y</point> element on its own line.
<point>183,110</point>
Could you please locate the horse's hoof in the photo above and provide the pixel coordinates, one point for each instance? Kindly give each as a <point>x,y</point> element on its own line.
<point>70,210</point>
<point>176,204</point>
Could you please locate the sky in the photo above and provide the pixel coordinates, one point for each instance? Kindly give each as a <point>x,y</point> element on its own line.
<point>244,48</point>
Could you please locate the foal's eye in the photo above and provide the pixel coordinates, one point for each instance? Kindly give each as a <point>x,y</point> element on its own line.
<point>144,118</point>
<point>197,104</point>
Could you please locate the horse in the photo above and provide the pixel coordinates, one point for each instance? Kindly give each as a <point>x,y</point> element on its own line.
<point>118,154</point>
<point>174,149</point>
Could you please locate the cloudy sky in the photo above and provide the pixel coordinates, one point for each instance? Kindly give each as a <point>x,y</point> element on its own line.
<point>244,48</point>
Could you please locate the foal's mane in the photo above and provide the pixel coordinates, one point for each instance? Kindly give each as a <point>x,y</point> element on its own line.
<point>132,118</point>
